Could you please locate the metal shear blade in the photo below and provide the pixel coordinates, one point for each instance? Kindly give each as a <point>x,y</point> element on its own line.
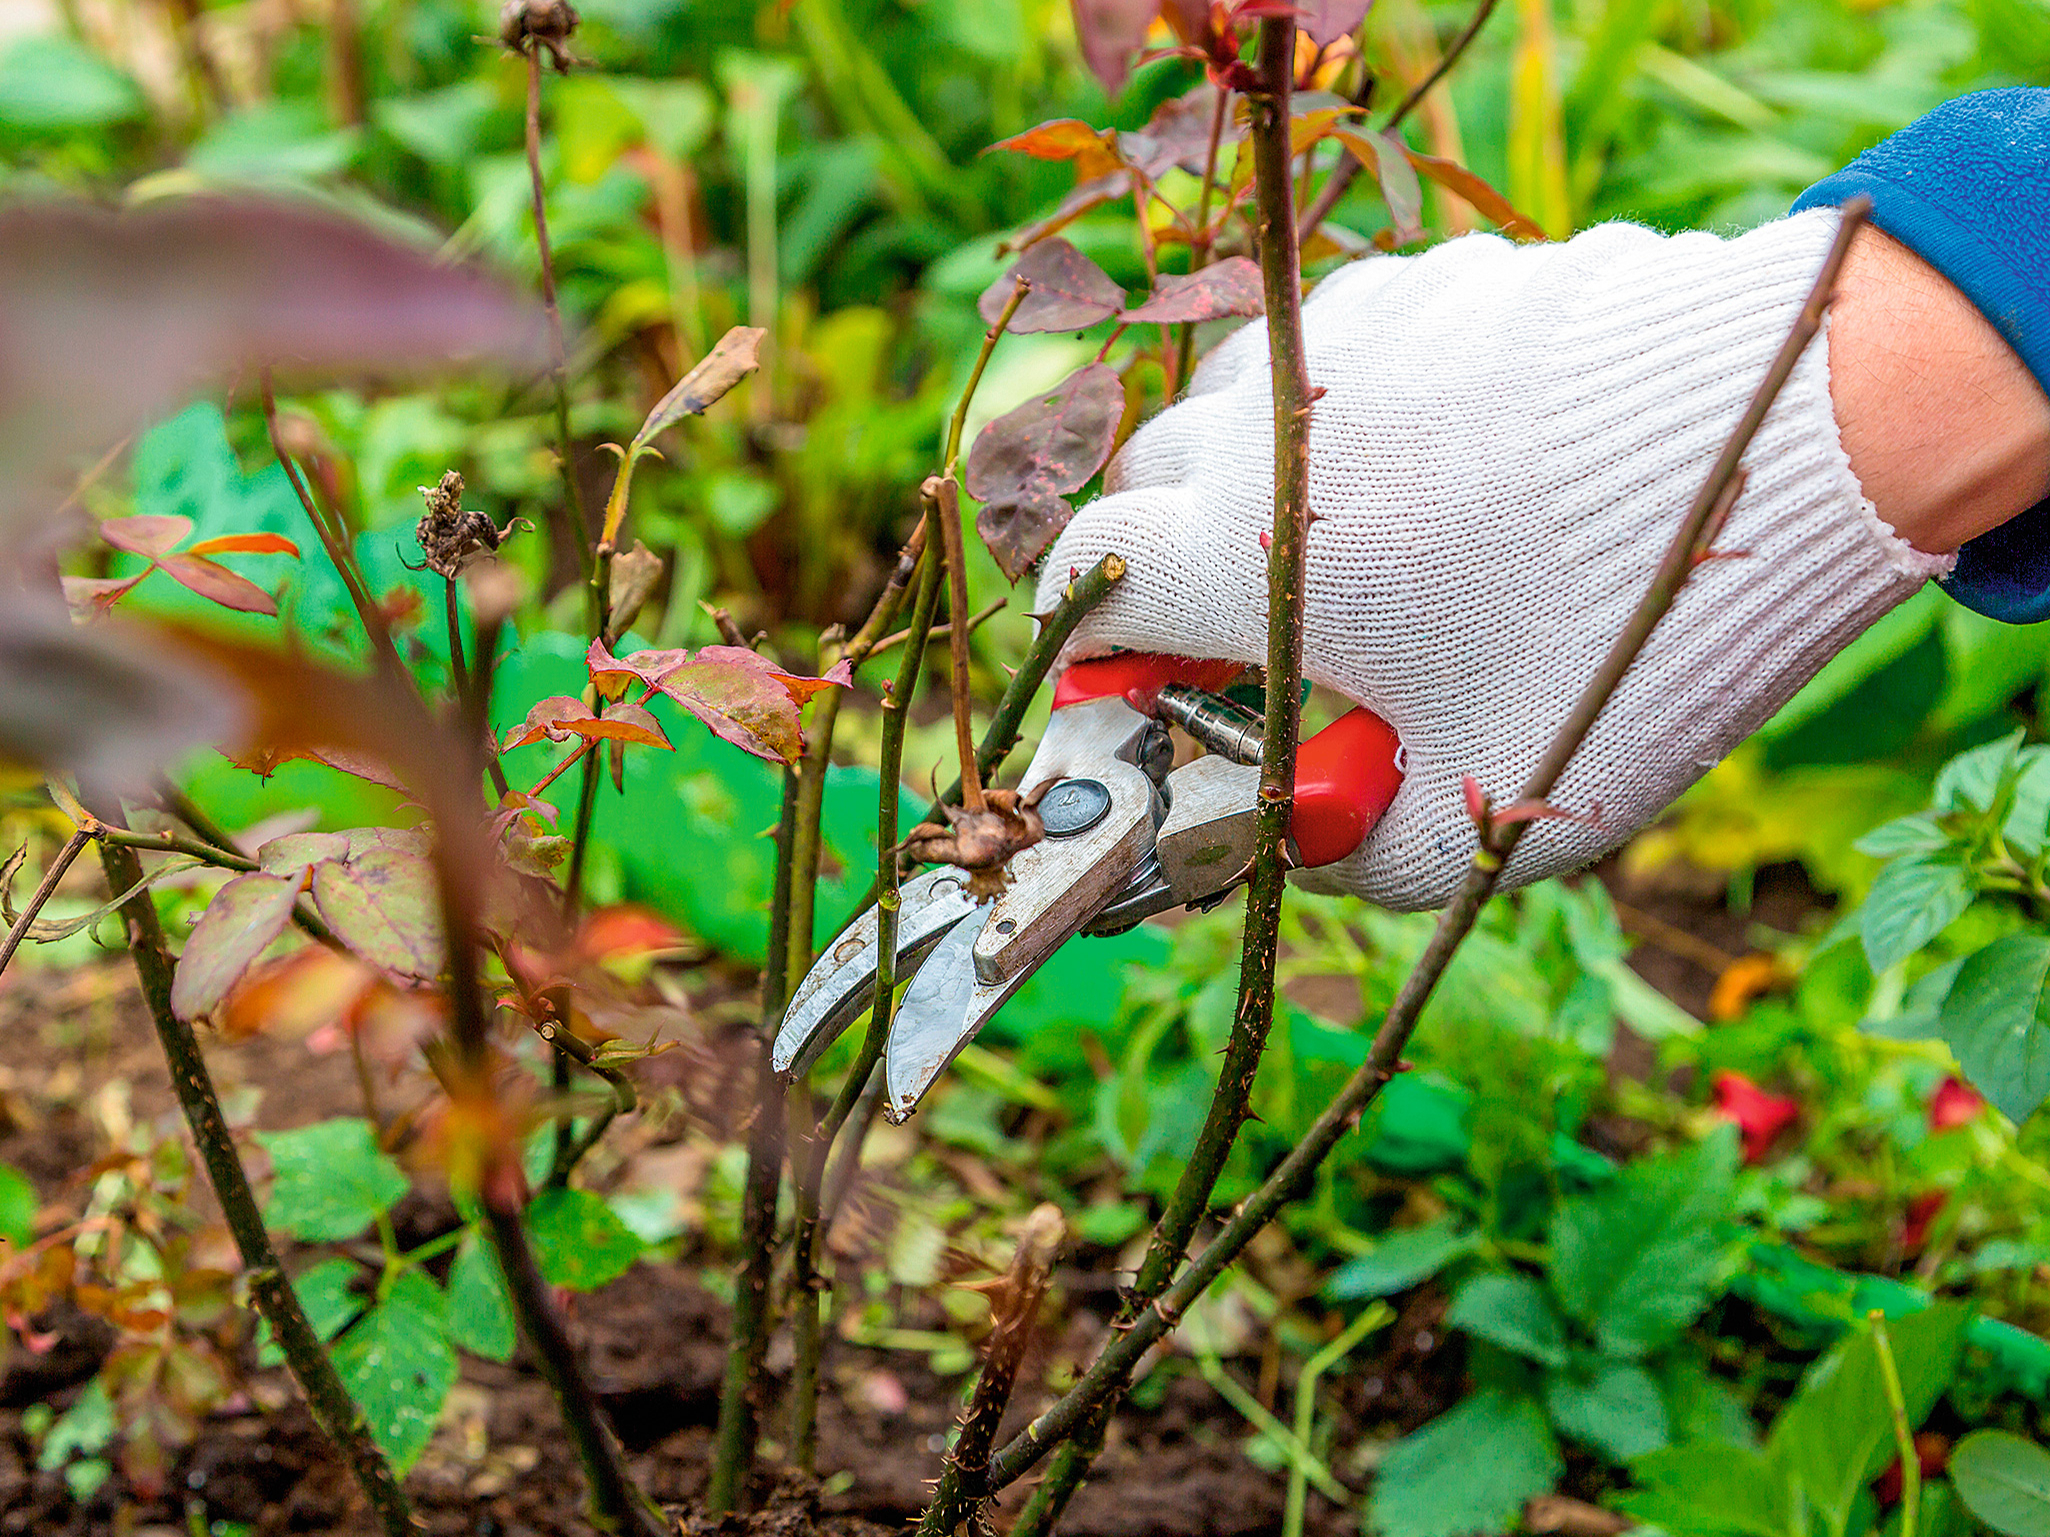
<point>841,985</point>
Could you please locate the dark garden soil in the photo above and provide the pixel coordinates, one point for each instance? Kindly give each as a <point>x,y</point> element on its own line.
<point>653,1342</point>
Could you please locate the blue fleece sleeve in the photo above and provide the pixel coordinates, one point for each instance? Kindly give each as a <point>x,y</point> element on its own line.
<point>1967,189</point>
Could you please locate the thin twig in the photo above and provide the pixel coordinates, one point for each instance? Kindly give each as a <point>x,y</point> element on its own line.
<point>818,1146</point>
<point>337,1415</point>
<point>945,629</point>
<point>558,350</point>
<point>943,503</point>
<point>171,843</point>
<point>1106,1375</point>
<point>1348,167</point>
<point>733,1453</point>
<point>1903,1432</point>
<point>73,847</point>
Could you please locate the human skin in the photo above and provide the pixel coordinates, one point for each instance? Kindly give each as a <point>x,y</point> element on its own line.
<point>1947,431</point>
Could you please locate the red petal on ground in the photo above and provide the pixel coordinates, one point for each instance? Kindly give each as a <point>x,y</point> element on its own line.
<point>1760,1116</point>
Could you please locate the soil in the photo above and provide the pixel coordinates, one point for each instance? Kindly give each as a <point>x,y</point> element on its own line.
<point>77,1056</point>
<point>653,1343</point>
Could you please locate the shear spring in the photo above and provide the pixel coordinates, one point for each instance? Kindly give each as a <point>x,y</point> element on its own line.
<point>1220,726</point>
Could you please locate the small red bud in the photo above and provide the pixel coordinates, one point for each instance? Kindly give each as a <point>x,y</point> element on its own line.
<point>1476,800</point>
<point>1266,540</point>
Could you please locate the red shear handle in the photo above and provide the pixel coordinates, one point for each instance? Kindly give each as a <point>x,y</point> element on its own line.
<point>1345,775</point>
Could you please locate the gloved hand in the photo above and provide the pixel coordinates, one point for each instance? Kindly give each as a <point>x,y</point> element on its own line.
<point>1507,440</point>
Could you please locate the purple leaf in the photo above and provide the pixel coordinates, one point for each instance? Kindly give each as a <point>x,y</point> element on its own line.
<point>1328,20</point>
<point>1110,32</point>
<point>245,916</point>
<point>148,536</point>
<point>1229,287</point>
<point>1025,462</point>
<point>214,581</point>
<point>1069,291</point>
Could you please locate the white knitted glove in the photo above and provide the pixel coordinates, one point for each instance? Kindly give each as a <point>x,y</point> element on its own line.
<point>1507,440</point>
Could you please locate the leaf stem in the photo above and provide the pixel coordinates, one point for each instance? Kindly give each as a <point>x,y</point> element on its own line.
<point>337,1415</point>
<point>1200,238</point>
<point>1903,1432</point>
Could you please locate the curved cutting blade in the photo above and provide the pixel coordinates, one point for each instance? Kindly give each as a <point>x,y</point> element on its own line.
<point>842,982</point>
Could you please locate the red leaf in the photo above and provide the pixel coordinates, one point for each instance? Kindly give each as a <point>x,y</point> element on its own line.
<point>1229,287</point>
<point>1025,462</point>
<point>88,597</point>
<point>1760,1116</point>
<point>1455,177</point>
<point>214,581</point>
<point>1069,291</point>
<point>147,536</point>
<point>1110,32</point>
<point>1955,1103</point>
<point>549,719</point>
<point>745,698</point>
<point>382,904</point>
<point>1086,196</point>
<point>238,926</point>
<point>624,930</point>
<point>1328,20</point>
<point>622,723</point>
<point>246,544</point>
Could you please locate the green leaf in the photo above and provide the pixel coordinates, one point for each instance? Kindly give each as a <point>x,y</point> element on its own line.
<point>398,1366</point>
<point>1616,1410</point>
<point>328,1297</point>
<point>1402,1259</point>
<point>2004,1481</point>
<point>17,1205</point>
<point>1711,1491</point>
<point>1912,902</point>
<point>1994,1018</point>
<point>1917,834</point>
<point>50,84</point>
<point>579,1241</point>
<point>1511,1311</point>
<point>1635,1260</point>
<point>330,1180</point>
<point>1836,1434</point>
<point>479,1310</point>
<point>1469,1470</point>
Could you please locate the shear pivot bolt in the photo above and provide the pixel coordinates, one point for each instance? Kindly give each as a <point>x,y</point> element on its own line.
<point>1073,806</point>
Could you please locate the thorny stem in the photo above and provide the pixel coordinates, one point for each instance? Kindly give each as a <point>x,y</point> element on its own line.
<point>73,847</point>
<point>818,1146</point>
<point>1348,167</point>
<point>558,351</point>
<point>1082,595</point>
<point>1281,274</point>
<point>1014,1309</point>
<point>1105,1378</point>
<point>739,1395</point>
<point>337,1415</point>
<point>1199,239</point>
<point>1903,1432</point>
<point>943,507</point>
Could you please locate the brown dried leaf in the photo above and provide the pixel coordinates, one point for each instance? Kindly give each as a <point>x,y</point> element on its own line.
<point>731,360</point>
<point>1026,461</point>
<point>1069,291</point>
<point>635,575</point>
<point>980,842</point>
<point>1229,287</point>
<point>1111,32</point>
<point>238,926</point>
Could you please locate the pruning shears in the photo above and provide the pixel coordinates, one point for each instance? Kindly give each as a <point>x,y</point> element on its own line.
<point>1127,836</point>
